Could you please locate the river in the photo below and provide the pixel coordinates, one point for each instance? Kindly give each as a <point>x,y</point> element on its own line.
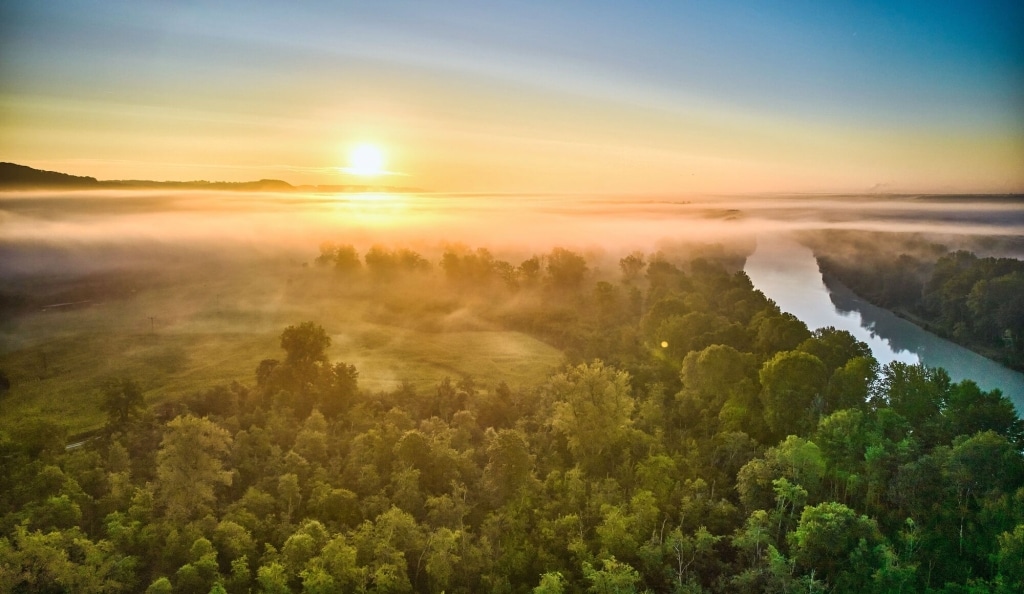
<point>788,273</point>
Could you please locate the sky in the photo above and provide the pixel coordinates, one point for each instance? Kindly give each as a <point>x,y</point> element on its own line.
<point>589,97</point>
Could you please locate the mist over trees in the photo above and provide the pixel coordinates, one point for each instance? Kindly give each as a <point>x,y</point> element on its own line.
<point>975,301</point>
<point>696,439</point>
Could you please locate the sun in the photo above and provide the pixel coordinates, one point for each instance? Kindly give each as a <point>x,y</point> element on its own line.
<point>365,159</point>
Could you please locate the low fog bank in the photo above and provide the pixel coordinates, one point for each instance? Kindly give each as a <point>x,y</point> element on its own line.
<point>195,287</point>
<point>47,233</point>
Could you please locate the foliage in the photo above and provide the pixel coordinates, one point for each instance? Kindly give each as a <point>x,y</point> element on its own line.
<point>190,467</point>
<point>975,301</point>
<point>122,400</point>
<point>749,455</point>
<point>593,406</point>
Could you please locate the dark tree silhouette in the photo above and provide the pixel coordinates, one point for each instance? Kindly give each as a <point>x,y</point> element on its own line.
<point>122,400</point>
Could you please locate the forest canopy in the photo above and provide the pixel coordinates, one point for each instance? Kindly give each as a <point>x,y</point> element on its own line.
<point>696,439</point>
<point>975,301</point>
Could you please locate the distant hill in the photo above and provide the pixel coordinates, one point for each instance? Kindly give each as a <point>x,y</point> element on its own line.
<point>264,185</point>
<point>20,177</point>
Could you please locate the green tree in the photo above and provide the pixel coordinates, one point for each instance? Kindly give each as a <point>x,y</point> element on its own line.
<point>632,265</point>
<point>693,331</point>
<point>997,310</point>
<point>711,378</point>
<point>201,573</point>
<point>970,410</point>
<point>592,408</point>
<point>716,371</point>
<point>843,439</point>
<point>122,401</point>
<point>302,546</point>
<point>338,385</point>
<point>160,585</point>
<point>305,349</point>
<point>565,269</point>
<point>387,547</point>
<point>1011,558</point>
<point>442,558</point>
<point>851,385</point>
<point>233,541</point>
<point>689,553</point>
<point>836,544</point>
<point>658,475</point>
<point>38,438</point>
<point>613,577</point>
<point>777,332</point>
<point>338,558</point>
<point>915,392</point>
<point>311,440</point>
<point>834,348</point>
<point>624,527</point>
<point>190,467</point>
<point>752,540</point>
<point>316,580</point>
<point>980,472</point>
<point>509,463</point>
<point>792,385</point>
<point>795,459</point>
<point>344,258</point>
<point>289,495</point>
<point>61,561</point>
<point>273,579</point>
<point>240,578</point>
<point>551,582</point>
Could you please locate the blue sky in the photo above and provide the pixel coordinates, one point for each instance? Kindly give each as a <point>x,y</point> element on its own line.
<point>801,96</point>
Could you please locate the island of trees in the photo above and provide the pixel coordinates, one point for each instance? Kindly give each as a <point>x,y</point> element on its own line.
<point>697,439</point>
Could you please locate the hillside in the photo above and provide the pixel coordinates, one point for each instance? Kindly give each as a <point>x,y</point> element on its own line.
<point>20,176</point>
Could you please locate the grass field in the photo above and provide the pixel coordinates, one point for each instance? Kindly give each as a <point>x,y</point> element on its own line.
<point>186,336</point>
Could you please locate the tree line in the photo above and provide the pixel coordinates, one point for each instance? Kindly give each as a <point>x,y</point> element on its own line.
<point>975,301</point>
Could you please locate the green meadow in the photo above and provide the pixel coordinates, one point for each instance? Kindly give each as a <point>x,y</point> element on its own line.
<point>184,335</point>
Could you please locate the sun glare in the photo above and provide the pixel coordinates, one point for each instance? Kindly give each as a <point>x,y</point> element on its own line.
<point>365,159</point>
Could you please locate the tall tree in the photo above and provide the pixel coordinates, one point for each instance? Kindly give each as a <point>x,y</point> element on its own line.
<point>918,394</point>
<point>305,349</point>
<point>837,545</point>
<point>632,265</point>
<point>565,268</point>
<point>592,408</point>
<point>122,400</point>
<point>190,467</point>
<point>792,389</point>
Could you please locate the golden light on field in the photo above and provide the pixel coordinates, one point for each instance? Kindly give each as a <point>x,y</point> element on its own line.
<point>366,160</point>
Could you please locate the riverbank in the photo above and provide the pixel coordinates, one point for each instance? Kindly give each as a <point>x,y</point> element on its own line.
<point>788,273</point>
